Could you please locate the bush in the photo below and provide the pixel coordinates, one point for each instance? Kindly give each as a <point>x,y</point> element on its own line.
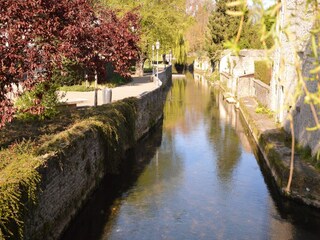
<point>263,110</point>
<point>46,92</point>
<point>263,71</point>
<point>117,80</point>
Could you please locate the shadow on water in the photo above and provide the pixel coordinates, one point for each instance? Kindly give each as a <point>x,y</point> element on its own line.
<point>224,136</point>
<point>304,220</point>
<point>90,222</point>
<point>294,212</point>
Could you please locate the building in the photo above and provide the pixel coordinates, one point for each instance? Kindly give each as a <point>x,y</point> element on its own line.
<point>202,64</point>
<point>237,74</point>
<point>243,63</point>
<point>291,57</point>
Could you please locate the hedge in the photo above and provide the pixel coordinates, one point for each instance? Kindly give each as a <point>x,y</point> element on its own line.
<point>263,71</point>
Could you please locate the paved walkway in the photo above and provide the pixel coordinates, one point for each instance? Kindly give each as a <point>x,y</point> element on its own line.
<point>263,121</point>
<point>136,88</point>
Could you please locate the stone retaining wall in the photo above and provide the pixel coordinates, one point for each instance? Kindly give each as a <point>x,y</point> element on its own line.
<point>262,92</point>
<point>305,186</point>
<point>247,86</point>
<point>69,176</point>
<point>224,77</point>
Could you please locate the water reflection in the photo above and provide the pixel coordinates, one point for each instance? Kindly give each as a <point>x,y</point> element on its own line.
<point>223,122</point>
<point>201,180</point>
<point>175,107</point>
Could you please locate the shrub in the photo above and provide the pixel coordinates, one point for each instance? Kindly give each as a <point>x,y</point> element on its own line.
<point>263,71</point>
<point>49,101</point>
<point>117,80</point>
<point>263,110</point>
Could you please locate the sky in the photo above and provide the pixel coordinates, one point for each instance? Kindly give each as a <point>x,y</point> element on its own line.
<point>266,3</point>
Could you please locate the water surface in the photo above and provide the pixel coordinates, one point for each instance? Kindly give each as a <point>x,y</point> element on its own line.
<point>194,178</point>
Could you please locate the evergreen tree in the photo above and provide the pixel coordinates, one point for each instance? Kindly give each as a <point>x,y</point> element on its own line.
<point>223,27</point>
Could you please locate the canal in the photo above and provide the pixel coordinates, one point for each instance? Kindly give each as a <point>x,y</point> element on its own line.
<point>196,176</point>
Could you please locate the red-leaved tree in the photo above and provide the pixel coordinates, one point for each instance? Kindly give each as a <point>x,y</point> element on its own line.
<point>36,35</point>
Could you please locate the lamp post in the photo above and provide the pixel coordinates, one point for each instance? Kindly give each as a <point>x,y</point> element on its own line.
<point>95,103</point>
<point>152,61</point>
<point>157,47</point>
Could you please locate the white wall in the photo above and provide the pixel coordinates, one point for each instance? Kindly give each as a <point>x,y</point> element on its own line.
<point>295,18</point>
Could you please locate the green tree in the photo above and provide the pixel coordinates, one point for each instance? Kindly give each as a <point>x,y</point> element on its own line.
<point>160,20</point>
<point>180,52</point>
<point>180,49</point>
<point>223,27</point>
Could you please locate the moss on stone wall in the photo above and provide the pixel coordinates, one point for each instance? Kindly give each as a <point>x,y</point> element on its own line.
<point>18,187</point>
<point>19,178</point>
<point>28,167</point>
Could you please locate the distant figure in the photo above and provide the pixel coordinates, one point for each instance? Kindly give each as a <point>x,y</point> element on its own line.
<point>164,60</point>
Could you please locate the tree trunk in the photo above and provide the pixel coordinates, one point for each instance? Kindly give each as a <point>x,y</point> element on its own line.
<point>139,65</point>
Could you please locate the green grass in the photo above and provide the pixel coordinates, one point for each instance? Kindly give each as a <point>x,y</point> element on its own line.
<point>76,88</point>
<point>114,81</point>
<point>263,110</point>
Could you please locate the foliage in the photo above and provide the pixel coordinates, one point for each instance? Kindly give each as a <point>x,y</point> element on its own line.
<point>71,73</point>
<point>263,110</point>
<point>224,26</point>
<point>37,35</point>
<point>49,102</point>
<point>263,71</point>
<point>179,68</point>
<point>220,29</point>
<point>196,33</point>
<point>159,21</point>
<point>267,22</point>
<point>180,49</point>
